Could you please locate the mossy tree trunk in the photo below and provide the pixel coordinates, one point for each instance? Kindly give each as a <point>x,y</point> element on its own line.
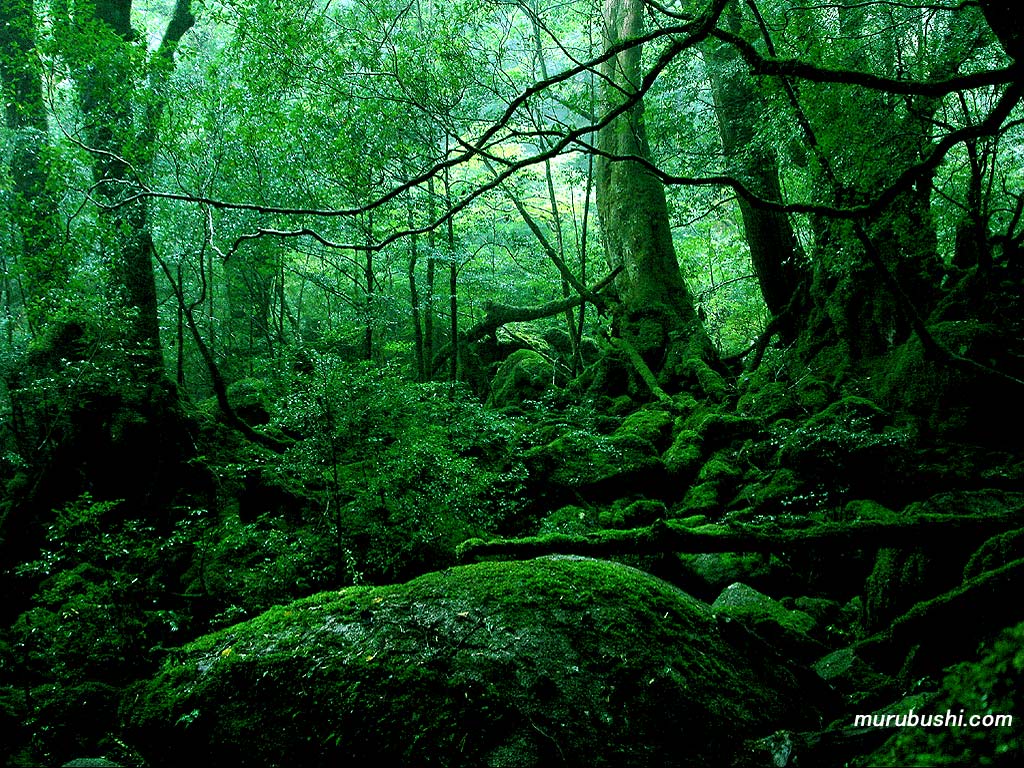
<point>33,205</point>
<point>111,68</point>
<point>776,257</point>
<point>872,279</point>
<point>657,314</point>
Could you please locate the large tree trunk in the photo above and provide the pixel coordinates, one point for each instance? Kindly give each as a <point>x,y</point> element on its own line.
<point>33,206</point>
<point>777,259</point>
<point>657,315</point>
<point>109,80</point>
<point>1005,19</point>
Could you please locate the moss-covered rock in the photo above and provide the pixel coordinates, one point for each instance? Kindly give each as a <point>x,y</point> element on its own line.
<point>708,573</point>
<point>682,459</point>
<point>986,687</point>
<point>569,520</point>
<point>769,401</point>
<point>851,447</point>
<point>787,629</point>
<point>544,662</point>
<point>703,499</point>
<point>773,492</point>
<point>718,470</point>
<point>582,461</point>
<point>252,400</point>
<point>634,514</point>
<point>523,375</point>
<point>653,426</point>
<point>719,430</point>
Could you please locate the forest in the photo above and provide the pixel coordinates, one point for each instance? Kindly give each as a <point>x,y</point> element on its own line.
<point>511,383</point>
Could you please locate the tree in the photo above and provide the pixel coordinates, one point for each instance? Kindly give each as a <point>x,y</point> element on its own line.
<point>110,68</point>
<point>776,256</point>
<point>657,316</point>
<point>34,206</point>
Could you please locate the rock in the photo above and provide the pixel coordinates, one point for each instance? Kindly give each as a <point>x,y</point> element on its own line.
<point>682,459</point>
<point>850,446</point>
<point>581,461</point>
<point>788,630</point>
<point>651,425</point>
<point>569,520</point>
<point>714,571</point>
<point>633,515</point>
<point>719,430</point>
<point>523,375</point>
<point>550,661</point>
<point>851,676</point>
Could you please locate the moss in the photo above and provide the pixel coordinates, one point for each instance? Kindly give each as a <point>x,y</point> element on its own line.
<point>768,402</point>
<point>852,448</point>
<point>523,375</point>
<point>989,685</point>
<point>634,515</point>
<point>868,509</point>
<point>683,457</point>
<point>653,426</point>
<point>813,395</point>
<point>719,470</point>
<point>719,430</point>
<point>582,460</point>
<point>773,492</point>
<point>569,520</point>
<point>787,629</point>
<point>252,400</point>
<point>709,573</point>
<point>739,600</point>
<point>704,499</point>
<point>996,552</point>
<point>558,660</point>
<point>711,383</point>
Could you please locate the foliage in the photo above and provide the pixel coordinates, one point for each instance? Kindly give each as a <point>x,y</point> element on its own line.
<point>94,624</point>
<point>402,472</point>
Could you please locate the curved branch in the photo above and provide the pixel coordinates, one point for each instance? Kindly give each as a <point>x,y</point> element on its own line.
<point>774,67</point>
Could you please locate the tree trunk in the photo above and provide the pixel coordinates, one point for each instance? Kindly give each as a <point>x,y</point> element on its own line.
<point>1006,21</point>
<point>657,314</point>
<point>33,206</point>
<point>108,83</point>
<point>775,255</point>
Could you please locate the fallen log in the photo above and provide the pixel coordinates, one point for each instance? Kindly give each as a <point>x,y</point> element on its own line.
<point>676,536</point>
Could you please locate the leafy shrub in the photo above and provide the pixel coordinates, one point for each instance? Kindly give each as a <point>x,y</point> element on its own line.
<point>402,472</point>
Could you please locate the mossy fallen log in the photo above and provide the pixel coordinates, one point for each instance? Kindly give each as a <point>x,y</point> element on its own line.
<point>676,536</point>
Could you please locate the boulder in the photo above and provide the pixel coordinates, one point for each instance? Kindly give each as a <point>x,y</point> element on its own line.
<point>524,375</point>
<point>545,662</point>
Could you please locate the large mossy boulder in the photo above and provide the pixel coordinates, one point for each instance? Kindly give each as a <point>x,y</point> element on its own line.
<point>556,661</point>
<point>524,375</point>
